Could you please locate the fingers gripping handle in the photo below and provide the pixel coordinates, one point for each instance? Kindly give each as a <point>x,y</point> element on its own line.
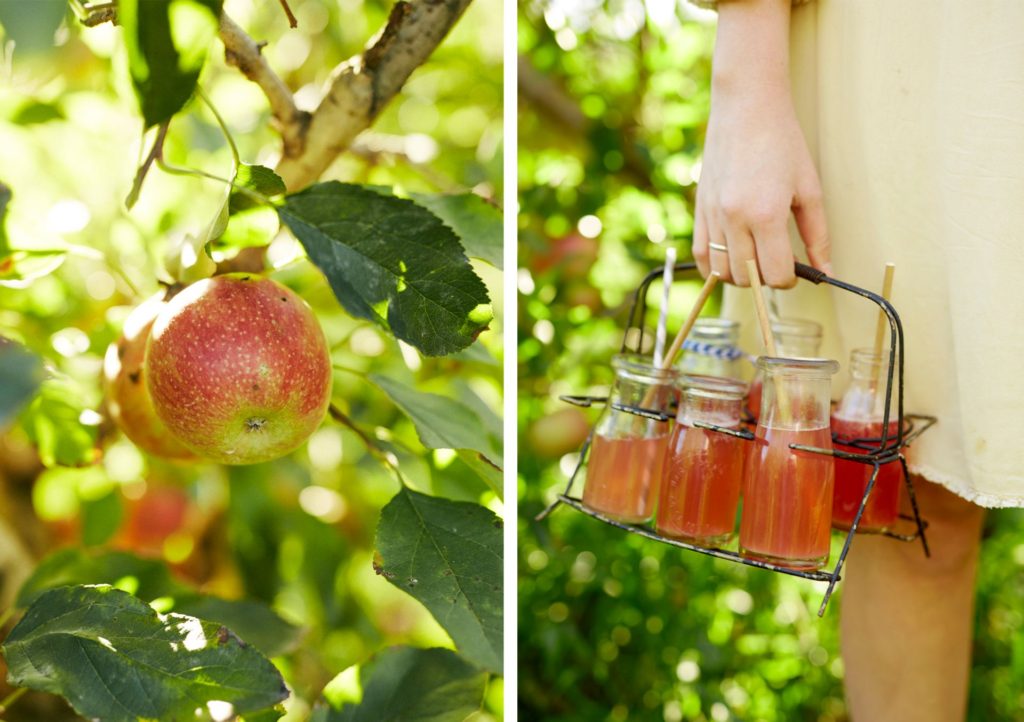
<point>811,274</point>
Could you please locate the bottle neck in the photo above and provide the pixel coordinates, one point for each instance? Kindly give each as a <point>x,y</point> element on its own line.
<point>797,338</point>
<point>796,395</point>
<point>865,397</point>
<point>718,410</point>
<point>711,400</point>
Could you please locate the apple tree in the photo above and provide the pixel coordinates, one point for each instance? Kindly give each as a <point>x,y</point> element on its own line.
<point>288,184</point>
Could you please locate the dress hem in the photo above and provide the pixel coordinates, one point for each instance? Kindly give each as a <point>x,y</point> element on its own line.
<point>955,485</point>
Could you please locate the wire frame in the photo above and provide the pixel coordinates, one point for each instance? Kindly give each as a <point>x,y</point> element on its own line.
<point>872,451</point>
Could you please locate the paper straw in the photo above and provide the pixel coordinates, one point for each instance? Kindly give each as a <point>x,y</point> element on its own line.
<point>883,322</point>
<point>766,330</point>
<point>702,298</point>
<point>666,282</point>
<point>883,319</point>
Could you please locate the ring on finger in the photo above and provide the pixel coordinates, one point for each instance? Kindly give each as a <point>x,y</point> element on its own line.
<point>718,247</point>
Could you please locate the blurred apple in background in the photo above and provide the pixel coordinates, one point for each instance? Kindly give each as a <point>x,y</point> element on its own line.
<point>558,433</point>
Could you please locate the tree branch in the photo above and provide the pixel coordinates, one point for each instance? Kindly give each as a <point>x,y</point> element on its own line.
<point>244,53</point>
<point>363,85</point>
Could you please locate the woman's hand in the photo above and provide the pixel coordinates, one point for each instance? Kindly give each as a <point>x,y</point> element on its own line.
<point>756,168</point>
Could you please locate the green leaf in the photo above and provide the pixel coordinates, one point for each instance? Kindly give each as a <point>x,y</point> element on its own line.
<point>477,353</point>
<point>33,112</point>
<point>31,29</point>
<point>405,684</point>
<point>243,221</point>
<point>485,469</point>
<point>253,621</point>
<point>53,423</point>
<point>149,580</point>
<point>114,658</point>
<point>393,262</point>
<point>448,555</point>
<point>490,420</point>
<point>255,226</point>
<point>101,518</point>
<point>256,178</point>
<point>167,42</point>
<point>19,268</point>
<point>477,223</point>
<point>441,422</point>
<point>21,373</point>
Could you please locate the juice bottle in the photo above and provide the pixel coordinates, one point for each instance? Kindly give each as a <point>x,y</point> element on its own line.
<point>787,493</point>
<point>627,451</point>
<point>858,418</point>
<point>703,468</point>
<point>794,338</point>
<point>712,349</point>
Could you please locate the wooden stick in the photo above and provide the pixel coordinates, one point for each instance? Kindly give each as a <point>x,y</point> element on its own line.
<point>883,319</point>
<point>702,298</point>
<point>677,342</point>
<point>883,323</point>
<point>766,329</point>
<point>762,311</point>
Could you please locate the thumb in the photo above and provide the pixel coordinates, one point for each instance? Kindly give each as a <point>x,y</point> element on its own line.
<point>809,212</point>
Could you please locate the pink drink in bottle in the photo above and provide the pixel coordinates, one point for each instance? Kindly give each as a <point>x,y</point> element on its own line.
<point>703,468</point>
<point>787,493</point>
<point>859,418</point>
<point>627,451</point>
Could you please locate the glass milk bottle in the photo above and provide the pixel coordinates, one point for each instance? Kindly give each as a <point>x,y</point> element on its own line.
<point>712,349</point>
<point>627,451</point>
<point>703,468</point>
<point>794,338</point>
<point>858,420</point>
<point>787,493</point>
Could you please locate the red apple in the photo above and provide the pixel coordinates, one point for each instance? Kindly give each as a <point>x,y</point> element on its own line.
<point>238,369</point>
<point>573,255</point>
<point>160,512</point>
<point>128,400</point>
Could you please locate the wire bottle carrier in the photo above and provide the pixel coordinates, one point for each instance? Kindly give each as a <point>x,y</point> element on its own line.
<point>875,452</point>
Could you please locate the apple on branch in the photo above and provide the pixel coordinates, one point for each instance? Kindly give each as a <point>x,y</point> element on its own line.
<point>238,369</point>
<point>128,400</point>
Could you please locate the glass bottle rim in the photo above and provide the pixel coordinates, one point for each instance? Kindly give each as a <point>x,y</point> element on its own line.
<point>798,366</point>
<point>716,322</point>
<point>712,387</point>
<point>868,357</point>
<point>641,368</point>
<point>796,327</point>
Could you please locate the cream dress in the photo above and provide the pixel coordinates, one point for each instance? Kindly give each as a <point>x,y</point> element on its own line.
<point>914,111</point>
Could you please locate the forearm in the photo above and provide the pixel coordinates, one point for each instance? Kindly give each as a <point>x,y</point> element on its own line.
<point>752,48</point>
<point>757,170</point>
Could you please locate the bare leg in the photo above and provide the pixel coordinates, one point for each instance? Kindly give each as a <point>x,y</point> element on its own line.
<point>907,621</point>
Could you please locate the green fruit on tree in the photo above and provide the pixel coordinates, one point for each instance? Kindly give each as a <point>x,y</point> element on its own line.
<point>128,400</point>
<point>238,369</point>
<point>558,433</point>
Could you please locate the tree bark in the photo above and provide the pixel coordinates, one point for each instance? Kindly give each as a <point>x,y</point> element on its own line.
<point>360,87</point>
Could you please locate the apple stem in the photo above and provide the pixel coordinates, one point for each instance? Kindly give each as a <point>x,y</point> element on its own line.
<point>195,172</point>
<point>223,126</point>
<point>12,698</point>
